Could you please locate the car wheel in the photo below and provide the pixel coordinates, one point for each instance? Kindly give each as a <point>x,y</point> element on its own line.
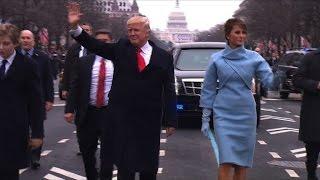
<point>284,95</point>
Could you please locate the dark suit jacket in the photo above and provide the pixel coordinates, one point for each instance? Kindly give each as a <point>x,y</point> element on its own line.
<point>307,78</point>
<point>21,99</point>
<point>137,101</point>
<point>79,93</point>
<point>45,71</point>
<point>71,58</point>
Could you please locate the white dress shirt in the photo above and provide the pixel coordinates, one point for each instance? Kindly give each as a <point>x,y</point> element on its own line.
<point>10,60</point>
<point>95,79</point>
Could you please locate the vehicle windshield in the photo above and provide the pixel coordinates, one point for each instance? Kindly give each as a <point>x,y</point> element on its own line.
<point>195,59</point>
<point>292,59</point>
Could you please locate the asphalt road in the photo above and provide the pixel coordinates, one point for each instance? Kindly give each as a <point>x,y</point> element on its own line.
<point>188,155</point>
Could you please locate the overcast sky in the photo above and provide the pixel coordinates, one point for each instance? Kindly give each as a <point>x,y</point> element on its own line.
<point>200,14</point>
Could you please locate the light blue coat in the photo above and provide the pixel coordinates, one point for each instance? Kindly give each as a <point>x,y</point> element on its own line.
<point>231,71</point>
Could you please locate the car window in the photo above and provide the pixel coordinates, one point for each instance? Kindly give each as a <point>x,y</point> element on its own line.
<point>194,59</point>
<point>292,59</point>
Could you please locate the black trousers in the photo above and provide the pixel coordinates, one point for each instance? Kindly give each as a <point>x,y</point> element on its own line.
<point>313,149</point>
<point>125,174</point>
<point>12,174</point>
<point>89,133</point>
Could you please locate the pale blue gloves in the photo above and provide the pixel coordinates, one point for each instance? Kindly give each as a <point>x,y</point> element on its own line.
<point>205,128</point>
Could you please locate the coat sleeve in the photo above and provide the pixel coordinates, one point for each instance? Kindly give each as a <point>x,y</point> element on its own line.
<point>69,62</point>
<point>209,89</point>
<point>301,80</point>
<point>265,74</point>
<point>74,86</point>
<point>35,101</point>
<point>106,50</point>
<point>170,99</point>
<point>48,80</point>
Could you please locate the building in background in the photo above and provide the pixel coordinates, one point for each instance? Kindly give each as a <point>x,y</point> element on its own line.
<point>177,28</point>
<point>118,8</point>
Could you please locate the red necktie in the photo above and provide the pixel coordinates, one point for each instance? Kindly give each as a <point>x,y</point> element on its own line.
<point>101,83</point>
<point>140,59</point>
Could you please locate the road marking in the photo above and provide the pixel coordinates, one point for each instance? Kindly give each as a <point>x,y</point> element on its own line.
<point>265,117</point>
<point>298,150</point>
<point>282,130</point>
<point>279,108</point>
<point>163,140</point>
<point>296,116</point>
<point>22,170</point>
<point>164,131</point>
<point>56,96</point>
<point>162,153</point>
<point>160,170</point>
<point>74,132</point>
<point>114,178</point>
<point>67,173</point>
<point>262,142</point>
<point>299,153</point>
<point>115,172</point>
<point>46,152</point>
<point>292,173</point>
<point>52,177</point>
<point>288,112</point>
<point>275,155</point>
<point>272,99</point>
<point>63,141</point>
<point>269,110</point>
<point>59,105</point>
<point>99,146</point>
<point>262,102</point>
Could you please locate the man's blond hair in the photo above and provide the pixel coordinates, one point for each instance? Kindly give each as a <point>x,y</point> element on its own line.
<point>139,19</point>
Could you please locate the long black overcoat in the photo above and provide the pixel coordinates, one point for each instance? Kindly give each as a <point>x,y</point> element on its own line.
<point>138,101</point>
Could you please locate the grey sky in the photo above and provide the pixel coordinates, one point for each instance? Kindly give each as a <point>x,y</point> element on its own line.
<point>200,14</point>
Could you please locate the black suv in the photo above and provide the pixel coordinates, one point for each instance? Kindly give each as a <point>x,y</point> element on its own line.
<point>286,68</point>
<point>190,63</point>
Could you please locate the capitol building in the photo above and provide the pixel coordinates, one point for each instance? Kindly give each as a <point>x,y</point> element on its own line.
<point>177,28</point>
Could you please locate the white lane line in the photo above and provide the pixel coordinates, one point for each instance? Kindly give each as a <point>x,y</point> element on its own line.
<point>292,173</point>
<point>63,141</point>
<point>300,155</point>
<point>269,110</point>
<point>162,153</point>
<point>164,131</point>
<point>265,117</point>
<point>46,152</point>
<point>284,131</point>
<point>22,170</point>
<point>52,177</point>
<point>262,142</point>
<point>296,116</point>
<point>114,178</point>
<point>67,173</point>
<point>163,140</point>
<point>288,112</point>
<point>59,105</point>
<point>115,172</point>
<point>275,155</point>
<point>279,108</point>
<point>160,170</point>
<point>298,150</point>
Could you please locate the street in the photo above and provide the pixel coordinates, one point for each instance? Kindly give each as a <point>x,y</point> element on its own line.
<point>188,155</point>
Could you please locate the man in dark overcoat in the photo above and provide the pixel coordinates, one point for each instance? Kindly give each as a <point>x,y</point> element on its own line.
<point>142,94</point>
<point>308,79</point>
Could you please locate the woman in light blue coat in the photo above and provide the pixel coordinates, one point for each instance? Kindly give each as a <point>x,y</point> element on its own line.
<point>227,94</point>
